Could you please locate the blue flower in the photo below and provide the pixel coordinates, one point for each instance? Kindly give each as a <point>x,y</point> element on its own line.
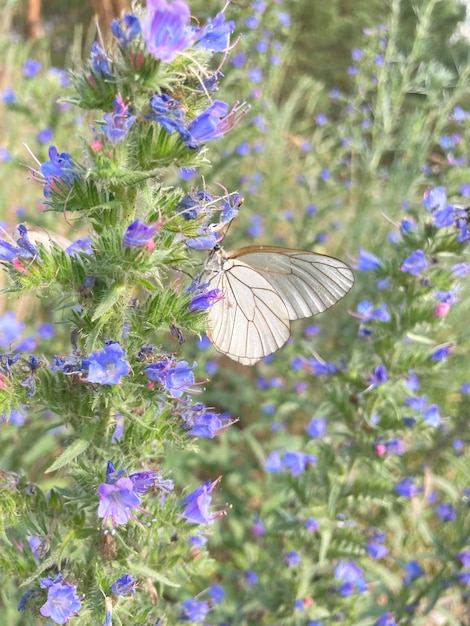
<point>10,329</point>
<point>194,611</point>
<point>139,234</point>
<point>376,550</point>
<point>251,578</point>
<point>431,416</point>
<point>117,124</point>
<point>349,573</point>
<point>45,135</point>
<point>99,60</point>
<point>407,488</point>
<point>62,600</point>
<point>8,96</point>
<point>215,35</point>
<point>273,463</point>
<point>435,199</point>
<point>312,525</point>
<point>126,29</point>
<point>124,585</point>
<point>176,378</point>
<point>444,217</point>
<point>441,353</point>
<point>387,619</point>
<point>31,68</point>
<point>80,245</point>
<point>117,501</point>
<point>59,169</point>
<point>217,594</point>
<point>379,376</point>
<point>367,261</point>
<point>415,263</point>
<point>296,462</point>
<point>292,558</point>
<point>108,366</point>
<point>165,29</point>
<point>446,512</point>
<point>459,115</point>
<point>198,503</point>
<point>317,427</point>
<point>213,123</point>
<point>413,571</point>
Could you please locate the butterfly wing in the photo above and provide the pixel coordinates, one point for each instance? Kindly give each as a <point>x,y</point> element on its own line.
<point>250,321</point>
<point>308,283</point>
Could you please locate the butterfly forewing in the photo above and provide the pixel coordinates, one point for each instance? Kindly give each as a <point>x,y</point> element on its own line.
<point>263,288</point>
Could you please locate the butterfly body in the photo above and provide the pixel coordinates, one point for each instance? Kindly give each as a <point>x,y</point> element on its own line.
<point>263,289</point>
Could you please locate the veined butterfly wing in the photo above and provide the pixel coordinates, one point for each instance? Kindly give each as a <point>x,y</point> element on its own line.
<point>263,289</point>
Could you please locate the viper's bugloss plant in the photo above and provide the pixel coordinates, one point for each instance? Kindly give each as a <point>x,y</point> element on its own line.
<point>341,493</point>
<point>126,298</point>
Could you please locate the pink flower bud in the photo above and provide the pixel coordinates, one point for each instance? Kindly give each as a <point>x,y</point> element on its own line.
<point>441,309</point>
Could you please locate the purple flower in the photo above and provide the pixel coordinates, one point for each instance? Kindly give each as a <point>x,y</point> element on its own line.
<point>446,512</point>
<point>407,488</point>
<point>202,423</point>
<point>464,558</point>
<point>126,29</point>
<point>292,558</point>
<point>214,123</point>
<point>146,480</point>
<point>176,379</point>
<point>62,600</point>
<point>459,115</point>
<point>379,376</point>
<point>367,261</point>
<point>317,427</point>
<point>349,573</point>
<point>376,550</point>
<point>413,571</point>
<point>165,29</point>
<point>321,119</point>
<point>45,135</point>
<point>217,594</point>
<point>8,96</point>
<point>435,199</point>
<point>367,312</point>
<point>444,217</point>
<point>108,366</point>
<point>273,463</point>
<point>203,299</point>
<point>10,329</point>
<point>194,611</point>
<point>124,585</point>
<point>215,35</point>
<point>198,503</point>
<point>284,18</point>
<point>415,263</point>
<point>441,353</point>
<point>117,502</point>
<point>258,529</point>
<point>99,60</point>
<point>394,446</point>
<point>31,68</point>
<point>312,525</point>
<point>139,234</point>
<point>117,124</point>
<point>251,578</point>
<point>80,245</point>
<point>59,169</point>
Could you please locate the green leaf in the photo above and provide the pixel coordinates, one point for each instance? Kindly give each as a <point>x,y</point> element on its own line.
<point>69,454</point>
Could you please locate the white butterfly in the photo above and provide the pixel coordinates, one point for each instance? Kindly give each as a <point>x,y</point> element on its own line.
<point>263,289</point>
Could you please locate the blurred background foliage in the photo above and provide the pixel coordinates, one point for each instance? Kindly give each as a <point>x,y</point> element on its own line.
<point>304,187</point>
